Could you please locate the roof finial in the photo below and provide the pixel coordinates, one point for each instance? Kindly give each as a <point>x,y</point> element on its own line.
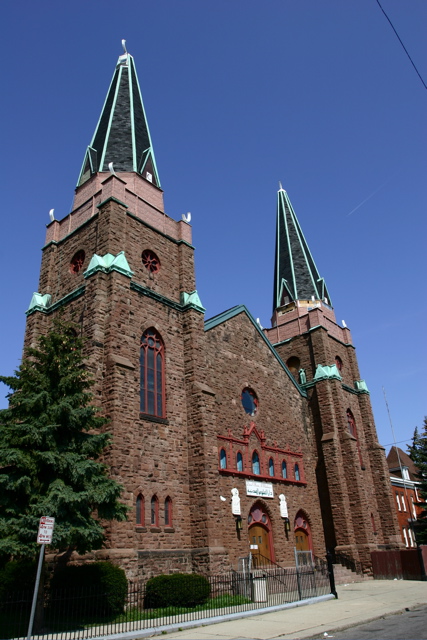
<point>280,186</point>
<point>124,46</point>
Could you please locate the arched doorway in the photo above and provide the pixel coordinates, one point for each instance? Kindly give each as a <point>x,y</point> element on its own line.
<point>260,535</point>
<point>302,533</point>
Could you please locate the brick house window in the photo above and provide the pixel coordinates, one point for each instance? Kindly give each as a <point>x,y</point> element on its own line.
<point>168,512</point>
<point>140,515</point>
<point>154,511</point>
<point>255,464</point>
<point>398,502</point>
<point>271,467</point>
<point>405,535</point>
<point>77,262</point>
<point>150,261</point>
<point>249,401</point>
<point>239,462</point>
<point>222,459</point>
<point>403,501</point>
<point>284,469</point>
<point>297,474</point>
<point>152,374</point>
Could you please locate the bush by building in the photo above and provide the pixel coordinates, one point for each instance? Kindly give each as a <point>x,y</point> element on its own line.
<point>177,589</point>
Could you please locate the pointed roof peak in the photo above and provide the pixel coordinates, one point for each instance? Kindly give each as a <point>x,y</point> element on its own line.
<point>280,187</point>
<point>122,136</point>
<point>296,276</point>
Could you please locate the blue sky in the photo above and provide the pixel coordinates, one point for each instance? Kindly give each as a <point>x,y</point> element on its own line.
<point>239,95</point>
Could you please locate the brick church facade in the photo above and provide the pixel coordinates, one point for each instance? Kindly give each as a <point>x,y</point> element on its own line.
<point>226,437</point>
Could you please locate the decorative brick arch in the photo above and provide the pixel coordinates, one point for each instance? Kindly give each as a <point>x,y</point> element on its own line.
<point>302,524</point>
<point>260,515</point>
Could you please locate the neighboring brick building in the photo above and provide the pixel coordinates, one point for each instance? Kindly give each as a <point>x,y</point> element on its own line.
<point>404,487</point>
<point>225,437</point>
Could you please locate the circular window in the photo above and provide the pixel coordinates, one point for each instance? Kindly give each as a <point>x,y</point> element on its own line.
<point>77,261</point>
<point>150,261</point>
<point>249,401</point>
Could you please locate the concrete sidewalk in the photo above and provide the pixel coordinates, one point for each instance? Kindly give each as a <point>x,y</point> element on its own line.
<point>357,603</point>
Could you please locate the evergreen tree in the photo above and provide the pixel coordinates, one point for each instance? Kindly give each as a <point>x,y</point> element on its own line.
<point>51,438</point>
<point>418,453</point>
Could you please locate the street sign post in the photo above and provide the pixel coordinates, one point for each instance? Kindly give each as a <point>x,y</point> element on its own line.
<point>44,537</point>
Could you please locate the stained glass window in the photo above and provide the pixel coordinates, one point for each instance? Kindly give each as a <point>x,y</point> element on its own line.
<point>152,392</point>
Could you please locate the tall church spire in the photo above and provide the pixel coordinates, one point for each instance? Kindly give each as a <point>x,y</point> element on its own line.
<point>295,275</point>
<point>122,136</point>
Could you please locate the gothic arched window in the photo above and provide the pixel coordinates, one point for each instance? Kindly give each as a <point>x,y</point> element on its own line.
<point>140,516</point>
<point>152,371</point>
<point>168,512</point>
<point>297,474</point>
<point>222,459</point>
<point>255,463</point>
<point>271,467</point>
<point>154,512</point>
<point>284,470</point>
<point>239,462</point>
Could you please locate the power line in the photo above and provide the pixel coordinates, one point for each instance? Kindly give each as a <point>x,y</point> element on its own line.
<point>405,49</point>
<point>398,442</point>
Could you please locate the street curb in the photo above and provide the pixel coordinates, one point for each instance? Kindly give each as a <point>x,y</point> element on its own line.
<point>203,622</point>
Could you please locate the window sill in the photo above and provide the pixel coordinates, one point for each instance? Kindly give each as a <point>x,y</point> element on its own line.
<point>155,529</point>
<point>150,418</point>
<point>261,478</point>
<point>140,529</point>
<point>169,529</point>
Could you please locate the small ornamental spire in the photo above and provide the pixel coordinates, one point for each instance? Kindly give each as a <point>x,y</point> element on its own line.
<point>122,136</point>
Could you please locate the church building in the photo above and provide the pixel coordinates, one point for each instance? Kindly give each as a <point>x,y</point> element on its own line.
<point>227,438</point>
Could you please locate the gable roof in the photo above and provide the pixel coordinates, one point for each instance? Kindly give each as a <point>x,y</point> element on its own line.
<point>393,463</point>
<point>235,311</point>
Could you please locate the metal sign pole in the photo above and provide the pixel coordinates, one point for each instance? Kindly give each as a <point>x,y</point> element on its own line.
<point>36,589</point>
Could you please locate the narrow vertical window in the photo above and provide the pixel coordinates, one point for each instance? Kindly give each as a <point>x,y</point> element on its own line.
<point>223,459</point>
<point>168,512</point>
<point>154,511</point>
<point>414,511</point>
<point>297,474</point>
<point>239,462</point>
<point>255,463</point>
<point>405,535</point>
<point>140,509</point>
<point>271,467</point>
<point>403,502</point>
<point>398,502</point>
<point>152,392</point>
<point>284,469</point>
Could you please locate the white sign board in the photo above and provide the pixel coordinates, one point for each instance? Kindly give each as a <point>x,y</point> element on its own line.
<point>259,489</point>
<point>45,533</point>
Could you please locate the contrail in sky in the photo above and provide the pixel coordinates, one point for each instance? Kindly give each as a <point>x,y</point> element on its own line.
<point>369,197</point>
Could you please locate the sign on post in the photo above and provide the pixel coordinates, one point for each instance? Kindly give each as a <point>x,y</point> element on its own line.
<point>45,533</point>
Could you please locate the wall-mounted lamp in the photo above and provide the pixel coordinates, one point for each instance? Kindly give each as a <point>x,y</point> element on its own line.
<point>239,523</point>
<point>287,524</point>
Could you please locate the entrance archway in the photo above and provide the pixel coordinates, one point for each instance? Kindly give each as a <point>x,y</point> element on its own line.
<point>302,533</point>
<point>260,535</point>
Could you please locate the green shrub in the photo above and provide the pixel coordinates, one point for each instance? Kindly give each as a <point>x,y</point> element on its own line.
<point>104,583</point>
<point>18,576</point>
<point>177,589</point>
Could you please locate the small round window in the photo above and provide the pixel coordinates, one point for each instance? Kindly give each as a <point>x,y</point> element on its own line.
<point>150,261</point>
<point>249,401</point>
<point>77,262</point>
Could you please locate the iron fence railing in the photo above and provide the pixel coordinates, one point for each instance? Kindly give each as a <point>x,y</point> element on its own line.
<point>85,613</point>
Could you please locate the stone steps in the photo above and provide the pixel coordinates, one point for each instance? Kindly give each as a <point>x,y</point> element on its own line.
<point>345,576</point>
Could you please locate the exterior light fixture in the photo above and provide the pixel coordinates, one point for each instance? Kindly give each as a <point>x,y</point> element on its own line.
<point>287,524</point>
<point>239,523</point>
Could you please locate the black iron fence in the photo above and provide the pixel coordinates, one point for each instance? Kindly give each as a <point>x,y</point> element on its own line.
<point>86,613</point>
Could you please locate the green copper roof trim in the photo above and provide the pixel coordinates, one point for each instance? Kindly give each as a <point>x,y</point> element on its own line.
<point>39,302</point>
<point>139,288</point>
<point>235,311</point>
<point>110,120</point>
<point>165,235</point>
<point>192,300</point>
<point>57,242</point>
<point>56,305</point>
<point>326,372</point>
<point>108,263</point>
<point>112,199</point>
<point>361,386</point>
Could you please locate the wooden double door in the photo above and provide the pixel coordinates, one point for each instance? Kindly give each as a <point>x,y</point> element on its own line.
<point>259,541</point>
<point>301,540</point>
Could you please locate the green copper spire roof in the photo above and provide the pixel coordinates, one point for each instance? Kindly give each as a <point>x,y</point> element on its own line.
<point>295,275</point>
<point>122,136</point>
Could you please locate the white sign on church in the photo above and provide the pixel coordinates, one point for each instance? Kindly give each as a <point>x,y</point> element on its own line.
<point>259,489</point>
